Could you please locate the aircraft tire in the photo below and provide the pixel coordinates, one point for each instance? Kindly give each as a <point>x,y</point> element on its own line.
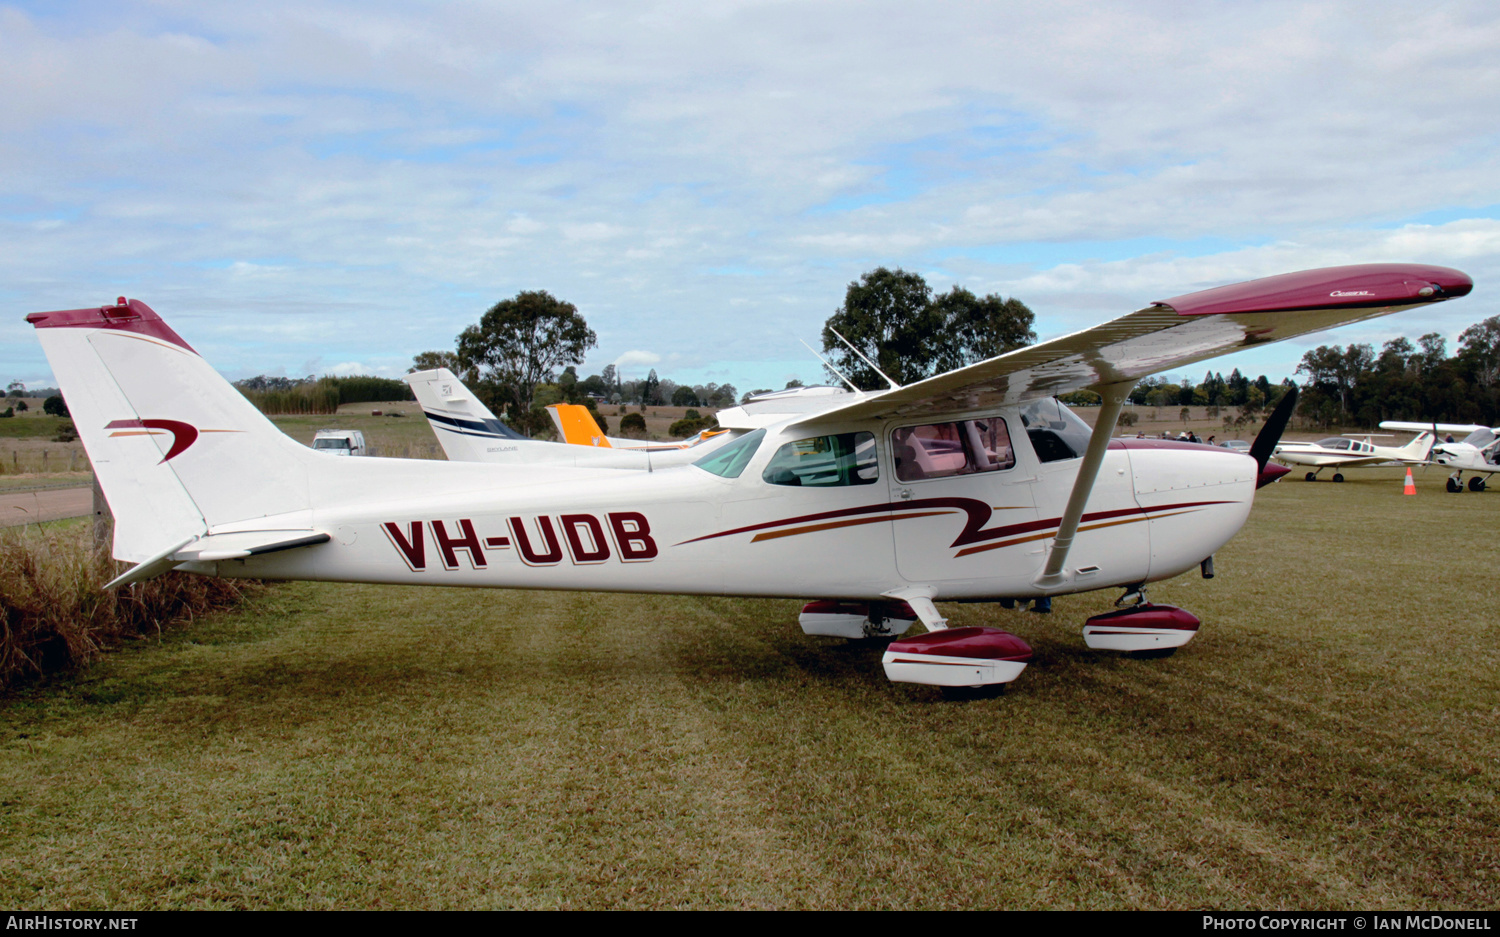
<point>1156,653</point>
<point>1311,476</point>
<point>1338,477</point>
<point>1476,483</point>
<point>1454,486</point>
<point>968,694</point>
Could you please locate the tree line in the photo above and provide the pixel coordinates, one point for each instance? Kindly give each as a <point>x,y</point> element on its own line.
<point>278,396</point>
<point>1405,381</point>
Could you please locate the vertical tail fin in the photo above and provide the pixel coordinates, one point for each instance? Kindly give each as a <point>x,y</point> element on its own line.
<point>576,426</point>
<point>177,450</point>
<point>464,426</point>
<point>1420,448</point>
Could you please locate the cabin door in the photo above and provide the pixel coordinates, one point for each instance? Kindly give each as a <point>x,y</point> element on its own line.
<point>962,509</point>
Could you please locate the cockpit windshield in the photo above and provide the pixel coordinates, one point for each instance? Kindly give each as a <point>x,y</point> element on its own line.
<point>730,460</point>
<point>1481,438</point>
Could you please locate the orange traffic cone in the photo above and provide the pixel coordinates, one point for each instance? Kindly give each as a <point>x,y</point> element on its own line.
<point>1411,486</point>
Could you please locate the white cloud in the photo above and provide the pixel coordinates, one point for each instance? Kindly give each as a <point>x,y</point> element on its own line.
<point>636,359</point>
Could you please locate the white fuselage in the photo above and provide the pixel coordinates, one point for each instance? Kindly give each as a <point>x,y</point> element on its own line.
<point>1157,510</point>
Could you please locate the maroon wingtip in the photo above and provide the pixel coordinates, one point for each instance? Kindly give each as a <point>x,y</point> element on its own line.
<point>1360,285</point>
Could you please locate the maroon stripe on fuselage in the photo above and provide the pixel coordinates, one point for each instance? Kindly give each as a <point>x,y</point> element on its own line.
<point>977,514</point>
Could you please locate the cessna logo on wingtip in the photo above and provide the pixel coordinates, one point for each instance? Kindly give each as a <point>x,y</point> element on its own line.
<point>183,434</point>
<point>1352,293</point>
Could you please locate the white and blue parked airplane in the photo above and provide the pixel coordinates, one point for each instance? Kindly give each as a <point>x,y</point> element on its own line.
<point>469,432</point>
<point>971,485</point>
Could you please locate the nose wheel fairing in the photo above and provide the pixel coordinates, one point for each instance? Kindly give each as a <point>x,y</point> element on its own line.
<point>1141,628</point>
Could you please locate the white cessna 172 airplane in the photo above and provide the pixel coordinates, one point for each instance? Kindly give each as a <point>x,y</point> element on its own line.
<point>971,485</point>
<point>1352,451</point>
<point>1477,452</point>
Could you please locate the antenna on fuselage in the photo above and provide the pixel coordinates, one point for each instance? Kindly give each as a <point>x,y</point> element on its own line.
<point>894,385</point>
<point>832,368</point>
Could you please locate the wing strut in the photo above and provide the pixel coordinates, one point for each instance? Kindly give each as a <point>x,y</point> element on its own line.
<point>1109,413</point>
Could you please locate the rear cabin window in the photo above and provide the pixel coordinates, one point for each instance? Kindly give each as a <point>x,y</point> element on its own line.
<point>941,450</point>
<point>825,462</point>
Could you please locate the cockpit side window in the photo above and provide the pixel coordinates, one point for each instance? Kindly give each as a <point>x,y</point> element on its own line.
<point>941,450</point>
<point>825,461</point>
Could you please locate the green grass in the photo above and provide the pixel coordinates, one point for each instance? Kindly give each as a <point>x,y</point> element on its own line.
<point>31,425</point>
<point>1328,741</point>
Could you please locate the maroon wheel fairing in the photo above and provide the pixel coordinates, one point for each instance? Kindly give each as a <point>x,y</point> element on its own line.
<point>1149,616</point>
<point>978,643</point>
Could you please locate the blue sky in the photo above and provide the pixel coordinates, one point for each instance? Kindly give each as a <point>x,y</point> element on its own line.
<point>333,187</point>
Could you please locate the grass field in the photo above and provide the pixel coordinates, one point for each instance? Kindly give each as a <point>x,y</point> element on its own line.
<point>1329,741</point>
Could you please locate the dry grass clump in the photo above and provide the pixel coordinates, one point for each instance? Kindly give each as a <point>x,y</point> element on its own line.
<point>55,615</point>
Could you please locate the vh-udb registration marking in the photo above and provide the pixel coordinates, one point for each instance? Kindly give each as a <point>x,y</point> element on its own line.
<point>583,539</point>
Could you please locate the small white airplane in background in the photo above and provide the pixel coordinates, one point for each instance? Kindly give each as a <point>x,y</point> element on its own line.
<point>1353,450</point>
<point>973,485</point>
<point>469,432</point>
<point>1476,452</point>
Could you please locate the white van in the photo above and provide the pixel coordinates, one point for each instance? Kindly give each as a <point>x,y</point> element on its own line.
<point>340,442</point>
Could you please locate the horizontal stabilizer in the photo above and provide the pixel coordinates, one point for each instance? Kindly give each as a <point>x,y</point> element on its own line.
<point>149,568</point>
<point>213,547</point>
<point>238,545</point>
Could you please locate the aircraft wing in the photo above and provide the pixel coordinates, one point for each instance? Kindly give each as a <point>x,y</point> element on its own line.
<point>1464,428</point>
<point>1167,335</point>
